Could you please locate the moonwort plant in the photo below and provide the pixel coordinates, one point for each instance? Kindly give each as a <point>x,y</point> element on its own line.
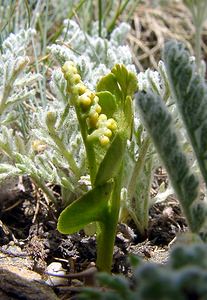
<point>31,146</point>
<point>55,153</point>
<point>92,62</point>
<point>86,50</point>
<point>190,94</point>
<point>105,119</point>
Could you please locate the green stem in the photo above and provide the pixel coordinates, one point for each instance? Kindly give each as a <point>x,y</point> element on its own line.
<point>100,18</point>
<point>136,221</point>
<point>105,245</point>
<point>106,232</point>
<point>91,161</point>
<point>138,167</point>
<point>6,92</point>
<point>107,10</point>
<point>198,46</point>
<point>75,9</point>
<point>45,29</point>
<point>142,197</point>
<point>8,88</point>
<point>88,146</point>
<point>132,10</point>
<point>52,39</point>
<point>64,115</point>
<point>119,11</point>
<point>149,166</point>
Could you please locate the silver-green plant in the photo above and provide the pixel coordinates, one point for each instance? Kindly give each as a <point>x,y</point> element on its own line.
<point>15,81</point>
<point>190,93</point>
<point>95,56</point>
<point>50,154</point>
<point>183,277</point>
<point>17,99</point>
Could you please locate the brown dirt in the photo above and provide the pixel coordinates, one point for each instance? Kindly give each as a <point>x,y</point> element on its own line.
<point>29,241</point>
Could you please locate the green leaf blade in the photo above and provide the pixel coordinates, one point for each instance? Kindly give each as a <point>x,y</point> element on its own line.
<point>109,83</point>
<point>107,102</point>
<point>91,207</point>
<point>112,161</point>
<point>126,79</point>
<point>120,82</point>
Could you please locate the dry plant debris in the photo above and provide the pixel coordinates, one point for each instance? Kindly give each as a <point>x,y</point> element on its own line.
<point>152,26</point>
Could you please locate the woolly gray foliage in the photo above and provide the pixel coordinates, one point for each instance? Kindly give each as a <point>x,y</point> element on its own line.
<point>15,78</point>
<point>94,56</point>
<point>158,123</point>
<point>183,277</point>
<point>190,93</point>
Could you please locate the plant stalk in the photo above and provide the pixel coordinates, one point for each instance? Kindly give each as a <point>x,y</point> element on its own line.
<point>138,167</point>
<point>100,18</point>
<point>106,231</point>
<point>90,154</point>
<point>198,46</point>
<point>119,11</point>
